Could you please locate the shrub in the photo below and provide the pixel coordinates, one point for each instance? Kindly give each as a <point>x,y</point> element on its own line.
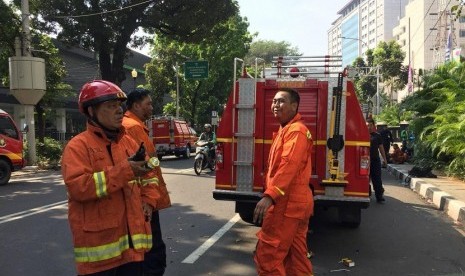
<point>48,153</point>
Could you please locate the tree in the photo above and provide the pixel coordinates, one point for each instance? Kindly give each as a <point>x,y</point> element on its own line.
<point>394,114</point>
<point>389,56</point>
<point>199,97</point>
<point>57,91</point>
<point>457,9</point>
<point>267,49</point>
<point>108,27</point>
<point>365,82</point>
<point>439,121</point>
<point>9,29</point>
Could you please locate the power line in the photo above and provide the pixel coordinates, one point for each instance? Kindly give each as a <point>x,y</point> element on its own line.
<point>104,12</point>
<point>426,14</point>
<point>431,31</point>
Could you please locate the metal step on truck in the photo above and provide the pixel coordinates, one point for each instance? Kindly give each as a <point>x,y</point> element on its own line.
<point>332,113</point>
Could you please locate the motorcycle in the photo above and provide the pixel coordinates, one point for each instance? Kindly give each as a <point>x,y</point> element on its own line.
<point>203,159</point>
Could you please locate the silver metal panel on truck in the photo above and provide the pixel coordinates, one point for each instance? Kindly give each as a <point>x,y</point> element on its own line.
<point>245,134</point>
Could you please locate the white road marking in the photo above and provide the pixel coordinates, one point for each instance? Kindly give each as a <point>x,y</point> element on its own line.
<point>208,243</point>
<point>33,211</point>
<point>185,171</point>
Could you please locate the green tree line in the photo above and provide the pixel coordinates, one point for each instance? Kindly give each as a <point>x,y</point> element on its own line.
<point>438,120</point>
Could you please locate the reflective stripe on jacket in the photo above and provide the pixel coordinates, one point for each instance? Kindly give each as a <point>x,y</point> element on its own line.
<point>289,170</point>
<point>140,133</point>
<point>104,202</point>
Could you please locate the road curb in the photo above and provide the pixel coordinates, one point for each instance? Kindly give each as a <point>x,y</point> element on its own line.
<point>454,208</point>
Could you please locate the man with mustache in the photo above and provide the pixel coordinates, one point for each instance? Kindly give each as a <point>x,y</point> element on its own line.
<point>110,196</point>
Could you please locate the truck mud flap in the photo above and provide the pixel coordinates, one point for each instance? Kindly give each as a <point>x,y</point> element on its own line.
<point>236,196</point>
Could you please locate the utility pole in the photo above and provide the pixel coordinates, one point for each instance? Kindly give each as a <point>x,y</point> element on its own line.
<point>176,70</point>
<point>27,79</point>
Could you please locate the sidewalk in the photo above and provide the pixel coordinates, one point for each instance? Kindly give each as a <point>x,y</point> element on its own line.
<point>445,193</point>
<point>28,170</point>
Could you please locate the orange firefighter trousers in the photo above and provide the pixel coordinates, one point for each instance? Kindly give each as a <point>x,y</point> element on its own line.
<point>282,247</point>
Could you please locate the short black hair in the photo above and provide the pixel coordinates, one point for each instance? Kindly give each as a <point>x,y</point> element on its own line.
<point>135,96</point>
<point>294,95</point>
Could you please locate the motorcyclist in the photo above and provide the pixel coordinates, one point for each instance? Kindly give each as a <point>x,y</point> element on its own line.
<point>209,136</point>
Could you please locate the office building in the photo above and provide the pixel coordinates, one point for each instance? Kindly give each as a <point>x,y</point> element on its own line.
<point>361,25</point>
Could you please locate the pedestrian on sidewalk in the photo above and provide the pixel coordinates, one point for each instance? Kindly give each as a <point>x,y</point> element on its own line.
<point>110,195</point>
<point>287,202</point>
<point>139,109</point>
<point>376,148</point>
<point>398,157</point>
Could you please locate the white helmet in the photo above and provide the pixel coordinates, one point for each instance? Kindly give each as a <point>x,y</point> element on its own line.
<point>207,125</point>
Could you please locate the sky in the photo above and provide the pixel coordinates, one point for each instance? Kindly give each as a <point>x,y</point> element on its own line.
<point>302,23</point>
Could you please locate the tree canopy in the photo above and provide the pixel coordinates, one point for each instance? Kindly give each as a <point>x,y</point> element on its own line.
<point>389,57</point>
<point>267,49</point>
<point>108,27</point>
<point>439,121</point>
<point>9,29</point>
<point>56,91</point>
<point>198,97</point>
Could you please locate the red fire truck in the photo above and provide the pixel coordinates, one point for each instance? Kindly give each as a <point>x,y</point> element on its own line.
<point>332,113</point>
<point>11,148</point>
<point>172,136</point>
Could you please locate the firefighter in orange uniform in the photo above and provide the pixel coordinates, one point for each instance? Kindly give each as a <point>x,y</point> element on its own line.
<point>110,196</point>
<point>140,109</point>
<point>287,202</point>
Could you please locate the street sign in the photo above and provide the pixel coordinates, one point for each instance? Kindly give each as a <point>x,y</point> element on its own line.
<point>214,114</point>
<point>195,70</point>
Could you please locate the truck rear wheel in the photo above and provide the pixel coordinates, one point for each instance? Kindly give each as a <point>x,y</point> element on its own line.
<point>5,172</point>
<point>187,152</point>
<point>350,216</point>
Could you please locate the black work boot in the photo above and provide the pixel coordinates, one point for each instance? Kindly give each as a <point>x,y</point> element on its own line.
<point>380,199</point>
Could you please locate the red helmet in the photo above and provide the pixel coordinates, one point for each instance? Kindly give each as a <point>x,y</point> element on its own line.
<point>98,91</point>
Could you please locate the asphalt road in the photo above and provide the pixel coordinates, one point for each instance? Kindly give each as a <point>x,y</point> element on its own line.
<point>404,236</point>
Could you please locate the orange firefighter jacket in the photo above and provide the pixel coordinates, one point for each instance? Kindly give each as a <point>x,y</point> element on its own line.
<point>140,133</point>
<point>288,176</point>
<point>105,201</point>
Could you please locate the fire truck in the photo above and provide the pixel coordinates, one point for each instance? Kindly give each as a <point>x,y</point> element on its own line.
<point>171,136</point>
<point>332,113</point>
<point>11,148</point>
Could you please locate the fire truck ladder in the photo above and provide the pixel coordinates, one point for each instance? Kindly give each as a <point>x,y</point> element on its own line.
<point>336,141</point>
<point>244,137</point>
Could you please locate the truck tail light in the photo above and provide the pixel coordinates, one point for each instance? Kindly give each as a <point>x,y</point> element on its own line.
<point>364,161</point>
<point>219,155</point>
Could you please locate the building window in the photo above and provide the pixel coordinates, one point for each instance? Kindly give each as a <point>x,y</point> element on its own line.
<point>462,19</point>
<point>462,33</point>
